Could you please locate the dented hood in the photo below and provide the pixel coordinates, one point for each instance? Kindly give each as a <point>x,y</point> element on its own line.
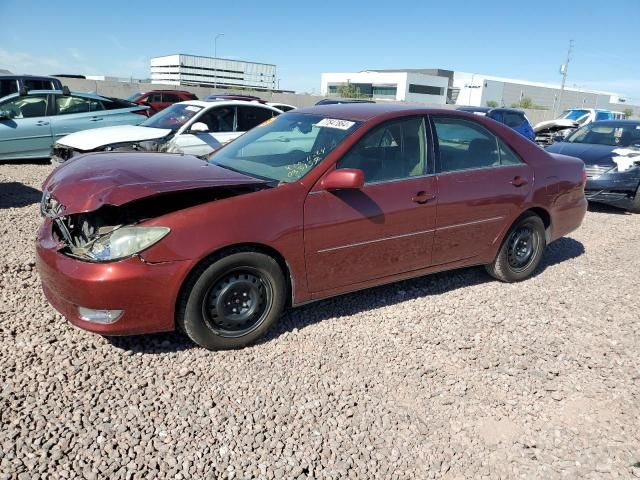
<point>555,125</point>
<point>89,181</point>
<point>86,140</point>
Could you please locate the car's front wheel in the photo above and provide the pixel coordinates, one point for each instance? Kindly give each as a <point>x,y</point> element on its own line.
<point>232,300</point>
<point>635,205</point>
<point>521,250</point>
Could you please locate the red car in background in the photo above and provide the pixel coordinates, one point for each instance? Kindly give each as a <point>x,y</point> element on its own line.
<point>160,99</point>
<point>313,203</point>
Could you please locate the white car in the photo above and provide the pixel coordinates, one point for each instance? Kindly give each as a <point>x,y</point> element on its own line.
<point>194,127</point>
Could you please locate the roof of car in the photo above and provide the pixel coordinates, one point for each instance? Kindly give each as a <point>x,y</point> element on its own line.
<point>504,109</point>
<point>616,122</point>
<point>60,92</point>
<point>205,103</point>
<point>16,75</point>
<point>167,90</point>
<point>367,111</point>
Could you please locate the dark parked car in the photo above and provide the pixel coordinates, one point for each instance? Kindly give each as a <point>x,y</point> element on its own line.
<point>511,117</point>
<point>610,151</point>
<point>15,83</point>
<point>313,203</point>
<point>160,99</point>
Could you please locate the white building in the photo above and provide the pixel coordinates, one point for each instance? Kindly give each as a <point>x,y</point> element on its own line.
<point>438,86</point>
<point>195,70</point>
<point>389,85</point>
<point>477,90</point>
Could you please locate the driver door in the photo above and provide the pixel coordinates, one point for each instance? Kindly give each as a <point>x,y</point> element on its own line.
<point>27,131</point>
<point>384,229</point>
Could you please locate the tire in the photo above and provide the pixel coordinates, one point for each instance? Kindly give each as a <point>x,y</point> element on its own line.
<point>516,260</point>
<point>635,205</point>
<point>231,300</point>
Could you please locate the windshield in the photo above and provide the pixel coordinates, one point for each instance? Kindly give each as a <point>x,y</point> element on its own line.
<point>612,134</point>
<point>131,98</point>
<point>574,115</point>
<point>285,148</point>
<point>172,117</point>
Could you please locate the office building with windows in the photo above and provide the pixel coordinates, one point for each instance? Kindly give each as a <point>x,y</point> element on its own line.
<point>435,86</point>
<point>200,71</point>
<point>388,85</point>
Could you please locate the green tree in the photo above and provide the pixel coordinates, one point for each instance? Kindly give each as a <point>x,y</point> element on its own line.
<point>347,90</point>
<point>628,112</point>
<point>492,103</point>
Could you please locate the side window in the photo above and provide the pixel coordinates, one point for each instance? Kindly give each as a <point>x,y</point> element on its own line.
<point>513,120</point>
<point>68,105</point>
<point>170,97</point>
<point>508,156</point>
<point>497,116</point>
<point>219,119</point>
<point>8,86</point>
<point>603,116</point>
<point>154,97</point>
<point>26,107</point>
<point>464,145</point>
<point>391,151</point>
<point>249,117</point>
<point>95,105</point>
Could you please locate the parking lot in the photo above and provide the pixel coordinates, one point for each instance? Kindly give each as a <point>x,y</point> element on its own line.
<point>449,376</point>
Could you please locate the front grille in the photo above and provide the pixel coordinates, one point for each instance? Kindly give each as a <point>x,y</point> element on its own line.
<point>597,170</point>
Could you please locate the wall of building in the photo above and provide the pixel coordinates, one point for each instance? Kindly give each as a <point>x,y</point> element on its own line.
<point>183,69</point>
<point>401,80</point>
<point>124,89</point>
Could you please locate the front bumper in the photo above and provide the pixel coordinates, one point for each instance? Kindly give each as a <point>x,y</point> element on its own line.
<point>616,188</point>
<point>146,292</point>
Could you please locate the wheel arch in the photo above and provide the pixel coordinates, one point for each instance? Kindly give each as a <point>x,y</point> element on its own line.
<point>235,248</point>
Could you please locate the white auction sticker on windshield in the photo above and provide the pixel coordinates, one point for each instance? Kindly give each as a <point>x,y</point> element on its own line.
<point>191,108</point>
<point>335,123</point>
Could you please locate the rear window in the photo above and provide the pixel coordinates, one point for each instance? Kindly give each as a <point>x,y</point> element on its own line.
<point>513,120</point>
<point>8,86</point>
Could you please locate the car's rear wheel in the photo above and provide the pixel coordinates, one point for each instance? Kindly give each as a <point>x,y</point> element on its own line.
<point>521,250</point>
<point>232,300</point>
<point>635,206</point>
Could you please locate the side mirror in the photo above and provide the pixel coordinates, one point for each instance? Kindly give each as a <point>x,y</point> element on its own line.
<point>5,115</point>
<point>344,179</point>
<point>199,127</point>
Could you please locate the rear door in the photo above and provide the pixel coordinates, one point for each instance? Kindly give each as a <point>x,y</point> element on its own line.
<point>71,114</point>
<point>482,185</point>
<point>26,130</point>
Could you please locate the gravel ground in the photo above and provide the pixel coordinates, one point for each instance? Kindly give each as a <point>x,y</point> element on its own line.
<point>450,376</point>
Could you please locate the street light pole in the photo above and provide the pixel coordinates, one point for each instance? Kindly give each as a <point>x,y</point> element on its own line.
<point>215,56</point>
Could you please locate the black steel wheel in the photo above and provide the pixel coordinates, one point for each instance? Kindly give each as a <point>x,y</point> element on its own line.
<point>521,250</point>
<point>232,299</point>
<point>236,304</point>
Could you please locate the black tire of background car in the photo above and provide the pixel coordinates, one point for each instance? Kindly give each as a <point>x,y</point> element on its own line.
<point>191,317</point>
<point>635,205</point>
<point>501,269</point>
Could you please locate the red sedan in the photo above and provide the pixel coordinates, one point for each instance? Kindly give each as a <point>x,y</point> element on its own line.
<point>314,203</point>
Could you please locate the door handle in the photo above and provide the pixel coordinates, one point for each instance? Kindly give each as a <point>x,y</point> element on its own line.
<point>519,181</point>
<point>423,197</point>
<point>96,119</point>
<point>41,123</point>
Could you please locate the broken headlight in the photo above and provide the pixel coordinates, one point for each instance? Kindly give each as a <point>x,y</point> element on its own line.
<point>124,242</point>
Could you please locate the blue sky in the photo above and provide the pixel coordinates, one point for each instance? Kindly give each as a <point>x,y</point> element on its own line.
<point>525,40</point>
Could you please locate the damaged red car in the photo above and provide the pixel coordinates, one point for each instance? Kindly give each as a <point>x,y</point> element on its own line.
<point>314,203</point>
